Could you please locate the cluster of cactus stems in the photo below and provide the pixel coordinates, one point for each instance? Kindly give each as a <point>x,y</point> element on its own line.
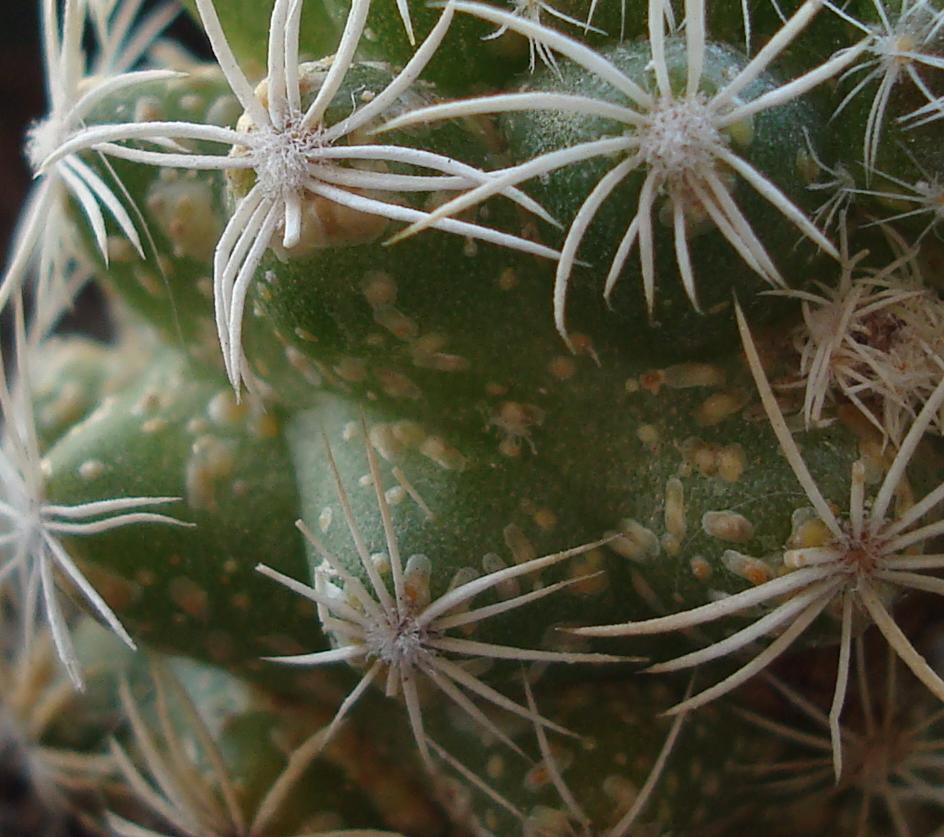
<point>523,417</point>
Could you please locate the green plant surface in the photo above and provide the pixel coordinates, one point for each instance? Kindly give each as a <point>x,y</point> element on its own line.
<point>192,589</point>
<point>247,26</point>
<point>621,773</point>
<point>524,417</point>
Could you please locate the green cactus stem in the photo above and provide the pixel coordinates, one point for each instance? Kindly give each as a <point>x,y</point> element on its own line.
<point>471,357</point>
<point>617,773</point>
<point>194,589</point>
<point>706,134</point>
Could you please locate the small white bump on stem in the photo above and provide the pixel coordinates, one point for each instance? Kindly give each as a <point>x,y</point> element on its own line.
<point>678,137</point>
<point>296,155</point>
<point>861,552</point>
<point>395,633</point>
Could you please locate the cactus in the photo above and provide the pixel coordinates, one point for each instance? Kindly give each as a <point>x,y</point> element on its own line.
<point>490,380</point>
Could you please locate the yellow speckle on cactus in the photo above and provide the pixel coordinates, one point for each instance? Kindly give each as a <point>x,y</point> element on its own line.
<point>120,250</point>
<point>379,289</point>
<point>443,454</point>
<point>675,524</point>
<point>492,563</point>
<point>150,282</point>
<point>223,409</point>
<point>741,132</point>
<point>731,463</point>
<point>211,462</point>
<point>508,279</point>
<point>589,572</point>
<point>148,109</point>
<point>189,597</point>
<point>351,369</point>
<point>396,322</point>
<point>635,541</point>
<point>514,421</point>
<point>686,375</point>
<point>91,469</point>
<point>648,434</point>
<point>191,102</point>
<point>727,526</point>
<point>701,569</point>
<point>809,534</point>
<point>750,569</point>
<point>719,407</point>
<point>154,425</point>
<point>397,385</point>
<point>301,364</point>
<point>545,519</point>
<point>518,543</point>
<point>395,495</point>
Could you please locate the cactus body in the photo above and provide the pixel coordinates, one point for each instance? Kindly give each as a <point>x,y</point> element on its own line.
<point>472,357</point>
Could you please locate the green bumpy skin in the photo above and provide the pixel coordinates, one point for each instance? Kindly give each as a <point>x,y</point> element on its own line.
<point>604,770</point>
<point>674,465</point>
<point>495,443</point>
<point>341,310</point>
<point>401,324</point>
<point>467,509</point>
<point>183,213</point>
<point>682,462</point>
<point>178,433</point>
<point>773,141</point>
<point>71,377</point>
